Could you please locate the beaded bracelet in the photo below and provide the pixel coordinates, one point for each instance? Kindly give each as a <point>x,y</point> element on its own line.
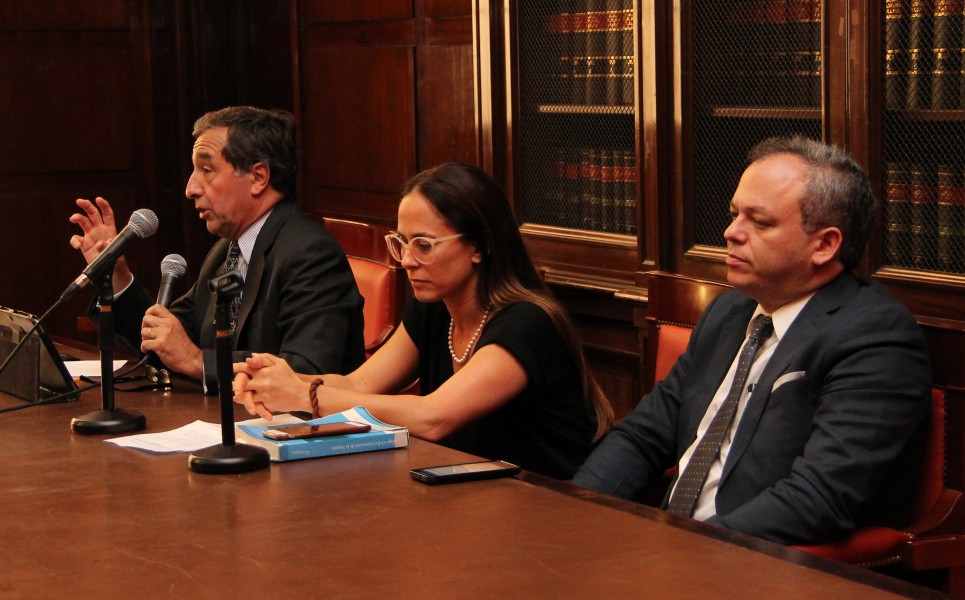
<point>311,396</point>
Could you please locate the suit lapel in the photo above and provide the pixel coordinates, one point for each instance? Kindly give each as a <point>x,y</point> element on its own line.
<point>809,323</point>
<point>213,265</point>
<point>256,266</point>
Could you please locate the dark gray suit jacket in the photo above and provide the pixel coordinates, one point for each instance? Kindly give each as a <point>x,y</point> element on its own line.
<point>830,437</point>
<point>300,301</point>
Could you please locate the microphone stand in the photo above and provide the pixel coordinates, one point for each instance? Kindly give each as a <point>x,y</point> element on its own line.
<point>108,419</point>
<point>228,457</point>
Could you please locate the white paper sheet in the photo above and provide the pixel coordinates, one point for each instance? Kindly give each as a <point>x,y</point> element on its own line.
<point>89,368</point>
<point>191,437</point>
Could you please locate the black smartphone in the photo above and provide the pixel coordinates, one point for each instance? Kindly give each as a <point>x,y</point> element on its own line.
<point>298,432</point>
<point>487,469</point>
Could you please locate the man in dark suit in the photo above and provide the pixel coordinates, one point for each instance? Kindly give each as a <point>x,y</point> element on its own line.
<point>826,429</point>
<point>300,299</point>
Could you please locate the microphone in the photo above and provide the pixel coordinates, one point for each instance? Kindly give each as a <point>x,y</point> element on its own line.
<point>173,267</point>
<point>143,224</point>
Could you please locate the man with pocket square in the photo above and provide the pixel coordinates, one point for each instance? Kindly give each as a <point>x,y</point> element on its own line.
<point>823,434</point>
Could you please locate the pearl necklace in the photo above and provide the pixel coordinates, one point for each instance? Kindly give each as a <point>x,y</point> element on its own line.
<point>472,341</point>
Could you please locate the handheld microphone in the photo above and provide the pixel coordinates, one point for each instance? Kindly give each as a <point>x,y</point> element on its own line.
<point>143,223</point>
<point>173,267</point>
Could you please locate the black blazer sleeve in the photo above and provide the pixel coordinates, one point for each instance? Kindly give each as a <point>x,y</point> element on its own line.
<point>300,301</point>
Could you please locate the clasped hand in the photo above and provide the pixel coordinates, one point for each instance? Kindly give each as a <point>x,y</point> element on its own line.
<point>265,384</point>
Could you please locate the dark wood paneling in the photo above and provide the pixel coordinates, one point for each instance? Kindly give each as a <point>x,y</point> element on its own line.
<point>356,10</point>
<point>359,122</point>
<point>55,120</point>
<point>64,15</point>
<point>566,262</point>
<point>927,295</point>
<point>611,342</point>
<point>75,121</point>
<point>360,33</point>
<point>267,50</point>
<point>452,31</point>
<point>379,208</point>
<point>386,90</point>
<point>447,111</point>
<point>447,8</point>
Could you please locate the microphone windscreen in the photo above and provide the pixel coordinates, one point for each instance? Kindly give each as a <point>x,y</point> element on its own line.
<point>143,222</point>
<point>174,264</point>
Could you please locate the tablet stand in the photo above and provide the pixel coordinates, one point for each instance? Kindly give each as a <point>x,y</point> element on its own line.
<point>108,419</point>
<point>228,457</point>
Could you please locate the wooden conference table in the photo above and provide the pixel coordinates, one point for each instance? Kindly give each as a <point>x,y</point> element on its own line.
<point>81,518</point>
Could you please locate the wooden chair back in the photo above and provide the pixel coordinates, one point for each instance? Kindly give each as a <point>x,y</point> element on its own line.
<point>675,304</point>
<point>380,279</point>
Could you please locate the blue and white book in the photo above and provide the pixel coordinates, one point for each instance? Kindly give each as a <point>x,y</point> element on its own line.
<point>381,436</point>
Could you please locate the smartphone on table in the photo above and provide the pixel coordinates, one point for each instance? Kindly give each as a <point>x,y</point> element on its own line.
<point>472,471</point>
<point>299,432</point>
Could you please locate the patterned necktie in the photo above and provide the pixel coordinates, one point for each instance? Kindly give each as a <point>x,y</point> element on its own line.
<point>685,494</point>
<point>230,264</point>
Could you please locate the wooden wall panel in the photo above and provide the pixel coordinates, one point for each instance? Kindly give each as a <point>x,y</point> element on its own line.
<point>328,11</point>
<point>448,8</point>
<point>359,124</point>
<point>75,122</point>
<point>386,90</point>
<point>63,15</point>
<point>84,126</point>
<point>446,104</point>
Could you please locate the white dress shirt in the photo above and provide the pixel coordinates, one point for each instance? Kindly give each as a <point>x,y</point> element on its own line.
<point>782,319</point>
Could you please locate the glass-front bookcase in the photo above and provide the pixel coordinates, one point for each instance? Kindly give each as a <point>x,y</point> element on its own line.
<point>889,87</point>
<point>577,103</point>
<point>924,135</point>
<point>756,72</point>
<point>573,80</point>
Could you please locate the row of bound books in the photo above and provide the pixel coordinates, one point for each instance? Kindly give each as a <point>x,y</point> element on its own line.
<point>924,54</point>
<point>775,79</point>
<point>773,56</point>
<point>588,188</point>
<point>793,25</point>
<point>775,11</point>
<point>594,54</point>
<point>925,216</point>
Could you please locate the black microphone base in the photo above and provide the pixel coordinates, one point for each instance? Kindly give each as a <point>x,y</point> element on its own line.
<point>108,421</point>
<point>236,458</point>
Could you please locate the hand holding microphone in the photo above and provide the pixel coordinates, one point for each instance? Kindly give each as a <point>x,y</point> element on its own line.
<point>162,333</point>
<point>173,267</point>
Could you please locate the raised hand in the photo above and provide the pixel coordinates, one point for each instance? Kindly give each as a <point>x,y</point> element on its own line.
<point>98,226</point>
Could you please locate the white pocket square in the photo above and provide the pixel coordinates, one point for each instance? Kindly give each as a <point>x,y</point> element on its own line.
<point>792,376</point>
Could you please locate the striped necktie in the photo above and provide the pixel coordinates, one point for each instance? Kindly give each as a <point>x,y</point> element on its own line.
<point>688,487</point>
<point>231,263</point>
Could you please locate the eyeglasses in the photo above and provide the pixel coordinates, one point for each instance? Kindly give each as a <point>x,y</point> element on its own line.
<point>423,249</point>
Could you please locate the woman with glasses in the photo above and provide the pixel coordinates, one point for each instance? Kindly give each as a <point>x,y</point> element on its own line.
<point>500,366</point>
